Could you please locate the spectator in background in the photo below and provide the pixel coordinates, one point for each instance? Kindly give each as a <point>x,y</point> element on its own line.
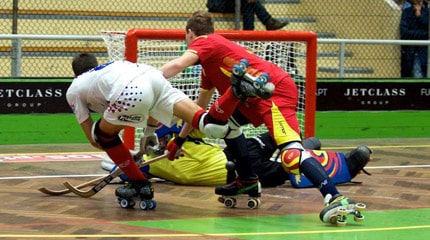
<point>414,25</point>
<point>403,3</point>
<point>248,8</point>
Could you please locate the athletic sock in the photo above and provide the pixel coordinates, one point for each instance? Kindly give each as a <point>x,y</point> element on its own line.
<point>224,106</point>
<point>122,157</point>
<point>313,170</point>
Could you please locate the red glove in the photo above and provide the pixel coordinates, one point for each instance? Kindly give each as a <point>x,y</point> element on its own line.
<point>174,148</point>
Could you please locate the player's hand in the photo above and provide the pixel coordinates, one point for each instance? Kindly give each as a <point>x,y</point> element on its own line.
<point>149,141</point>
<point>174,147</point>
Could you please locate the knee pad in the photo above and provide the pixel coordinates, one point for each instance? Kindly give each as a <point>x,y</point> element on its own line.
<point>209,126</point>
<point>235,130</point>
<point>292,156</point>
<point>105,140</point>
<point>211,130</point>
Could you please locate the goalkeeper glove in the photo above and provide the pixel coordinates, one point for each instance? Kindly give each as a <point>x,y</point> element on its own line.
<point>149,141</point>
<point>174,148</point>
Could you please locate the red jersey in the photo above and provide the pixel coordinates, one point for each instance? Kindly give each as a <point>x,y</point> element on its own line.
<point>218,55</point>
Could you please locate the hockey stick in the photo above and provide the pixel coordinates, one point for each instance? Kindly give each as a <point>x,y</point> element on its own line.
<point>66,190</point>
<point>107,179</point>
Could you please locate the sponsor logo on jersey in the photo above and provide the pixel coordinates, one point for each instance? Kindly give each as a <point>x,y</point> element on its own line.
<point>131,118</point>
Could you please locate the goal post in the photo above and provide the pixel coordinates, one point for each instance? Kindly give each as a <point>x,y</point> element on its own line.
<point>293,51</point>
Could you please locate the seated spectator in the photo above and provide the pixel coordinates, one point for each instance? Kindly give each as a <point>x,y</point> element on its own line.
<point>248,9</point>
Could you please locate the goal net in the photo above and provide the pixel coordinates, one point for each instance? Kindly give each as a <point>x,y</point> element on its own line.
<point>293,51</point>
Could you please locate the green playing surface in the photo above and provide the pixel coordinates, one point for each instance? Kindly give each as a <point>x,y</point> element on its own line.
<point>63,128</point>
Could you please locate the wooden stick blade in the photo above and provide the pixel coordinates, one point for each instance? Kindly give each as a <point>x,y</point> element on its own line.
<point>107,179</point>
<point>66,190</point>
<point>53,192</point>
<point>77,191</point>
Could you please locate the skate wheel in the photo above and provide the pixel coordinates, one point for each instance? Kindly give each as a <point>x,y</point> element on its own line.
<point>148,204</point>
<point>253,203</point>
<point>221,199</point>
<point>264,77</point>
<point>333,219</point>
<point>238,70</point>
<point>359,218</point>
<point>230,202</point>
<point>125,203</point>
<point>341,222</point>
<point>360,207</point>
<point>244,63</point>
<point>258,84</point>
<point>144,205</point>
<point>342,211</point>
<point>154,204</point>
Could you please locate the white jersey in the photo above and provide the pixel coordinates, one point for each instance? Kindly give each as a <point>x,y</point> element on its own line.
<point>126,93</point>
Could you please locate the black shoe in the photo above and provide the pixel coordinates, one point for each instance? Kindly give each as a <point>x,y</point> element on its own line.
<point>275,24</point>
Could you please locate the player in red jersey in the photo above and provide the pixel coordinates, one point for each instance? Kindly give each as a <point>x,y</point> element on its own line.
<point>240,103</point>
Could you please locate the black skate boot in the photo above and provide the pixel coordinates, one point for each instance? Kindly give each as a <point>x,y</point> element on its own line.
<point>245,85</point>
<point>338,207</point>
<point>133,189</point>
<point>229,192</point>
<point>357,159</point>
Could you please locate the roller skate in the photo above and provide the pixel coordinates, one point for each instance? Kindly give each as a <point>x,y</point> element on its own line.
<point>357,159</point>
<point>230,192</point>
<point>246,85</point>
<point>134,189</point>
<point>338,207</point>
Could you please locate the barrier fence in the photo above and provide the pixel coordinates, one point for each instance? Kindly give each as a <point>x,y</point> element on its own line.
<point>329,19</point>
<point>48,58</point>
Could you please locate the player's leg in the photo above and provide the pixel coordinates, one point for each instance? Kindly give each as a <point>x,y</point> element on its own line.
<point>107,135</point>
<point>246,181</point>
<point>190,112</point>
<point>285,131</point>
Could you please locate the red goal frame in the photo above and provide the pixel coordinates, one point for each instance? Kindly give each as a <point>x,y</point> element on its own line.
<point>131,54</point>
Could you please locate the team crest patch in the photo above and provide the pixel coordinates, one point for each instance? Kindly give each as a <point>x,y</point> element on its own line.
<point>131,118</point>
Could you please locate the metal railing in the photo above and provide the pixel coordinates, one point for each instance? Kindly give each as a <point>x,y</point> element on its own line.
<point>17,49</point>
<point>343,42</point>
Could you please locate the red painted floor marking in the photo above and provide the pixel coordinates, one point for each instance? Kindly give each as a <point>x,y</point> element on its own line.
<point>51,157</point>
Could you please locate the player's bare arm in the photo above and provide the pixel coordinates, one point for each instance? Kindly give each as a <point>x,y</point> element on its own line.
<point>152,121</point>
<point>177,65</point>
<point>87,128</point>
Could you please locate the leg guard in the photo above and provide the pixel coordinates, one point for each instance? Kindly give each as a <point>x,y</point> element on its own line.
<point>296,160</point>
<point>334,164</point>
<point>292,156</point>
<point>209,126</point>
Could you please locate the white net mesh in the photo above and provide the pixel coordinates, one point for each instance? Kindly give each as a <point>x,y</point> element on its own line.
<point>291,56</point>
